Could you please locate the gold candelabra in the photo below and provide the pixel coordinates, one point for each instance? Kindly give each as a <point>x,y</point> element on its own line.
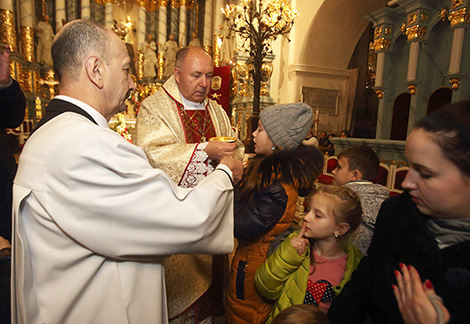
<point>259,25</point>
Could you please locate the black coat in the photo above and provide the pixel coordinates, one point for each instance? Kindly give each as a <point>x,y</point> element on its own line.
<point>401,235</point>
<point>12,110</point>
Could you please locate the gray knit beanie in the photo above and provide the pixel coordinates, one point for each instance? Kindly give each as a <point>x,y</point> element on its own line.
<point>288,124</point>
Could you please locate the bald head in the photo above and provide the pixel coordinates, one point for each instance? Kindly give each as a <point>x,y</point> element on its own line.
<point>73,43</point>
<point>190,51</point>
<point>193,73</point>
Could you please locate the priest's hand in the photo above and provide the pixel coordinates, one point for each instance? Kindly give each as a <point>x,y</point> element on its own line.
<point>236,166</point>
<point>217,150</point>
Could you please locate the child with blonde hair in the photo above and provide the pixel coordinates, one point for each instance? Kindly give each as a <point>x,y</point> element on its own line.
<point>311,266</point>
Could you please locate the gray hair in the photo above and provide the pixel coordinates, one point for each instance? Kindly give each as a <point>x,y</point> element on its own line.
<point>74,42</point>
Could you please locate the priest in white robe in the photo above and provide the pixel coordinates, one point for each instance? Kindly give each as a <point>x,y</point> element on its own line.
<point>93,220</point>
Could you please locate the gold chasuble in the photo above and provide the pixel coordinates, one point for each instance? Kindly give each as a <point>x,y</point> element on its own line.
<point>171,138</point>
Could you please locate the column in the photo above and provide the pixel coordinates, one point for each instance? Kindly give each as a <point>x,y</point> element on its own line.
<point>85,9</point>
<point>108,13</point>
<point>218,16</point>
<point>207,42</point>
<point>174,19</point>
<point>413,62</point>
<point>183,29</point>
<point>161,36</point>
<point>27,29</point>
<point>415,31</point>
<point>7,24</point>
<point>162,23</point>
<point>141,28</point>
<point>60,16</point>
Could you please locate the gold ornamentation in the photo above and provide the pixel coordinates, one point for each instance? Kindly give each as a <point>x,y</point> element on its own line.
<point>140,65</point>
<point>215,96</point>
<point>388,31</point>
<point>19,75</point>
<point>455,82</point>
<point>50,81</point>
<point>456,3</point>
<point>140,3</point>
<point>184,3</point>
<point>27,76</point>
<point>7,29</point>
<point>424,17</point>
<point>27,41</point>
<point>381,44</point>
<point>415,32</point>
<point>37,83</point>
<point>380,93</point>
<point>175,4</point>
<point>458,17</point>
<point>378,32</point>
<point>38,108</point>
<point>163,3</point>
<point>208,49</point>
<point>216,83</point>
<point>403,28</point>
<point>161,62</point>
<point>443,13</point>
<point>412,18</point>
<point>412,88</point>
<point>217,45</point>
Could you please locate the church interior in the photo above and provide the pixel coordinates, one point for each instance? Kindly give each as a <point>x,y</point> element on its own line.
<point>371,67</point>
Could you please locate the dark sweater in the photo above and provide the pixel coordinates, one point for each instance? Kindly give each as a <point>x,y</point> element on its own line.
<point>401,235</point>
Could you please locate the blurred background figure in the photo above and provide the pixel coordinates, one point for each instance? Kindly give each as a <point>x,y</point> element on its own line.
<point>12,109</point>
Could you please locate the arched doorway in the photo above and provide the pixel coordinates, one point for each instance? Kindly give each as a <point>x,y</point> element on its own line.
<point>439,98</point>
<point>401,112</point>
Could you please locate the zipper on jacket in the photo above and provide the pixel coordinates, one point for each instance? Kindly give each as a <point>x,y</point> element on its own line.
<point>240,283</point>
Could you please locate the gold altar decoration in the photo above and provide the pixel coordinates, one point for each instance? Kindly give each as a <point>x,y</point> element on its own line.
<point>456,3</point>
<point>381,44</point>
<point>27,42</point>
<point>416,27</point>
<point>266,72</point>
<point>412,18</point>
<point>161,62</point>
<point>38,108</point>
<point>208,49</point>
<point>380,93</point>
<point>382,38</point>
<point>175,4</point>
<point>27,80</point>
<point>140,65</point>
<point>163,3</point>
<point>260,24</point>
<point>7,29</point>
<point>217,45</point>
<point>241,75</point>
<point>415,32</point>
<point>458,17</point>
<point>412,88</point>
<point>443,13</point>
<point>455,82</point>
<point>51,82</point>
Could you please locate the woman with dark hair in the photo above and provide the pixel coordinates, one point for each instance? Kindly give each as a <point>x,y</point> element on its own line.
<point>422,233</point>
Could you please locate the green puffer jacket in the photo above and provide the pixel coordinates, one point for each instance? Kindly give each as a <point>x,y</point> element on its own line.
<point>283,276</point>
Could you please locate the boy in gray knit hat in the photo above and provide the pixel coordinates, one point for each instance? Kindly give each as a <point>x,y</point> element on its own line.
<point>287,124</point>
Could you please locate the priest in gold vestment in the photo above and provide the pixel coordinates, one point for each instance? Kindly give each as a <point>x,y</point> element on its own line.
<point>173,126</point>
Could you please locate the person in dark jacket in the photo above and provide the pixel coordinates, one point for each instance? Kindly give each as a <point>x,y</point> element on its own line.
<point>266,200</point>
<point>12,110</point>
<point>427,228</point>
